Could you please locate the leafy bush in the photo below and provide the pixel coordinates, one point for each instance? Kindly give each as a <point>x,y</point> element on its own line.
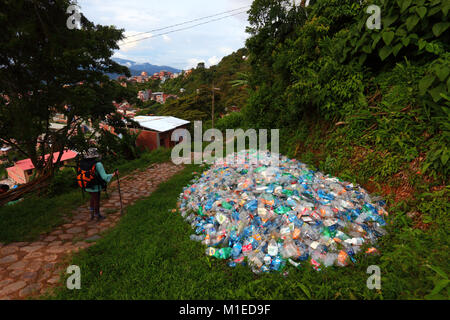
<point>113,147</point>
<point>434,87</point>
<point>415,29</point>
<point>63,181</point>
<point>233,120</point>
<point>149,107</point>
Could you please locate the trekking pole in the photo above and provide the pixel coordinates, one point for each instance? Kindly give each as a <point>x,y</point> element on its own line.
<point>120,194</point>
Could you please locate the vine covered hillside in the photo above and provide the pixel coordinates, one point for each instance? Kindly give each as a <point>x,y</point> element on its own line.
<point>368,105</point>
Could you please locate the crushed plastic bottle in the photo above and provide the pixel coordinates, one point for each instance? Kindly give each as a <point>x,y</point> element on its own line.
<point>269,215</point>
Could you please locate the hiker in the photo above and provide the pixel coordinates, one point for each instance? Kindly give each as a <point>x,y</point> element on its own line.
<point>93,178</point>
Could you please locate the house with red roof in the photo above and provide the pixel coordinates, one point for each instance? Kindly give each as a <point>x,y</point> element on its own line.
<point>22,170</point>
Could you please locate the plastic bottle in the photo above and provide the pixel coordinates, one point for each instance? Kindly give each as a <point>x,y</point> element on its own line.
<point>197,237</point>
<point>295,264</point>
<point>329,259</point>
<point>236,251</point>
<point>268,213</point>
<point>272,249</point>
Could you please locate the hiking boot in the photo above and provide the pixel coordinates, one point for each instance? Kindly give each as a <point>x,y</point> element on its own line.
<point>100,217</point>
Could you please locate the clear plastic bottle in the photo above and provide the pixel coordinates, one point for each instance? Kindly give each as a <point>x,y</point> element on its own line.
<point>329,259</point>
<point>272,249</point>
<point>295,264</point>
<point>195,237</point>
<point>289,211</point>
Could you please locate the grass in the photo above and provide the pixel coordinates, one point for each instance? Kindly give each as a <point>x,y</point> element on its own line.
<point>147,158</point>
<point>33,216</point>
<point>149,256</point>
<point>415,253</point>
<point>26,220</point>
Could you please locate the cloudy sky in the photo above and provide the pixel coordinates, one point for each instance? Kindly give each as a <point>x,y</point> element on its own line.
<point>184,49</point>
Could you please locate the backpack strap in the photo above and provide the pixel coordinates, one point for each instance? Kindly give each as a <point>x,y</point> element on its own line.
<point>83,189</point>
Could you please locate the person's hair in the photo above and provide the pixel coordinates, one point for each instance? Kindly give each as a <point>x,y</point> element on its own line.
<point>4,187</point>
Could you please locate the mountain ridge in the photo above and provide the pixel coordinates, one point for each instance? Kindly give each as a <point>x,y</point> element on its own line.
<point>137,68</point>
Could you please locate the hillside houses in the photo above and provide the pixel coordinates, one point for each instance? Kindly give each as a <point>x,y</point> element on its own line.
<point>163,75</point>
<point>144,95</point>
<point>187,73</point>
<point>160,97</point>
<point>125,108</point>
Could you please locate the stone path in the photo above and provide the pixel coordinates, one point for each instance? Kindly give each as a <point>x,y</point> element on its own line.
<point>30,268</point>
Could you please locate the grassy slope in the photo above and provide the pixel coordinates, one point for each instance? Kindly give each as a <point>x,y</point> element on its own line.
<point>26,220</point>
<point>415,253</point>
<point>149,256</point>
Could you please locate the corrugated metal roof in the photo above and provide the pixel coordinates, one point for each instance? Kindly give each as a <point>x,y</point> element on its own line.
<point>160,123</point>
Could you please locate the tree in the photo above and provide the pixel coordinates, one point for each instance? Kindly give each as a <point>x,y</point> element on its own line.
<point>272,24</point>
<point>196,106</point>
<point>223,75</point>
<point>45,69</point>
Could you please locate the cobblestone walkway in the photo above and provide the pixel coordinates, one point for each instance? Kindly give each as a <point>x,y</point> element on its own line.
<point>30,268</point>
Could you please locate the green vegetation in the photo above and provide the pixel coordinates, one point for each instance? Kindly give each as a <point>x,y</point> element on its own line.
<point>369,106</point>
<point>228,69</point>
<point>194,91</point>
<point>48,69</point>
<point>27,219</point>
<point>148,108</point>
<point>156,156</point>
<point>149,256</point>
<point>320,69</point>
<point>37,214</point>
<point>195,102</point>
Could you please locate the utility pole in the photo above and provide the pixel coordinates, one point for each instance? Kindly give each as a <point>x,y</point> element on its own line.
<point>212,111</point>
<point>213,100</point>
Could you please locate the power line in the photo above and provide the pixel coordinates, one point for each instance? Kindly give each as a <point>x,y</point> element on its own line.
<point>181,29</point>
<point>183,23</point>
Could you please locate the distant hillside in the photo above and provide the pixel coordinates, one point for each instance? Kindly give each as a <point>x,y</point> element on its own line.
<point>137,68</point>
<point>194,101</point>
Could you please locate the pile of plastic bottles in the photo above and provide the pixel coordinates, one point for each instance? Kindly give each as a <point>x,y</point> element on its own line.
<point>267,215</point>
